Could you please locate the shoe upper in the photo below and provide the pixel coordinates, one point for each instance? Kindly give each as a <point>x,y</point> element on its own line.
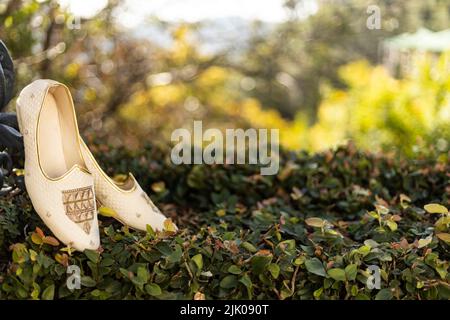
<point>58,183</point>
<point>131,204</point>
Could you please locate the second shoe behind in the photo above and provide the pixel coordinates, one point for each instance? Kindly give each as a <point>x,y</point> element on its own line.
<point>132,206</point>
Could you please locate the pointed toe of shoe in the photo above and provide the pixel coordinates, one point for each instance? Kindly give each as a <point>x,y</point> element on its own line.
<point>68,208</point>
<point>142,216</point>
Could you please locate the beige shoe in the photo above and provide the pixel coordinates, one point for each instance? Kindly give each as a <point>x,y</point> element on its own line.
<point>131,205</point>
<point>56,177</point>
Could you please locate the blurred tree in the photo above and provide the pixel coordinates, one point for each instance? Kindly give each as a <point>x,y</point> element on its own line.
<point>102,65</point>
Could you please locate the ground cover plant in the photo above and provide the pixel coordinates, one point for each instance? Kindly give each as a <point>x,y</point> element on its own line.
<point>310,232</point>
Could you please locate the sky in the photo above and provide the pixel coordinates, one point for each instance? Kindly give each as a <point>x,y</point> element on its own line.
<point>135,11</point>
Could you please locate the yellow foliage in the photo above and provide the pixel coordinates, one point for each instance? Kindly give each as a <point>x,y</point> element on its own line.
<point>375,110</point>
<point>182,49</point>
<point>213,76</point>
<point>72,70</point>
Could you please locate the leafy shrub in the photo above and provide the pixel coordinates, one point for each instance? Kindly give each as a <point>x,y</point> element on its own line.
<point>378,111</point>
<point>308,233</point>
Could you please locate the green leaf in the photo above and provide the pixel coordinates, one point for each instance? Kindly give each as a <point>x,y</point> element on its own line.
<point>315,222</point>
<point>164,248</point>
<point>362,296</point>
<point>274,270</point>
<point>234,269</point>
<point>48,293</point>
<point>159,187</point>
<point>153,289</point>
<point>382,210</point>
<point>249,247</point>
<point>442,270</point>
<point>87,281</point>
<point>260,262</point>
<point>351,271</point>
<point>315,266</point>
<point>354,290</point>
<point>228,282</point>
<point>141,278</point>
<point>92,255</point>
<point>444,236</point>
<point>287,245</point>
<point>424,242</point>
<point>142,274</point>
<point>247,282</point>
<point>36,238</point>
<point>392,225</point>
<point>404,200</point>
<point>371,243</point>
<point>175,256</point>
<point>337,274</point>
<point>435,208</point>
<point>444,291</point>
<point>299,261</point>
<point>107,262</point>
<point>107,212</point>
<point>364,250</point>
<point>384,294</point>
<point>221,212</point>
<point>35,293</point>
<point>96,293</point>
<point>317,293</point>
<point>442,223</point>
<point>169,226</point>
<point>150,230</point>
<point>198,260</point>
<point>285,293</point>
<point>19,254</point>
<point>374,215</point>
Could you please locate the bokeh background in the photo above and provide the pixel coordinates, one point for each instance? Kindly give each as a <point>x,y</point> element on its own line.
<point>311,68</point>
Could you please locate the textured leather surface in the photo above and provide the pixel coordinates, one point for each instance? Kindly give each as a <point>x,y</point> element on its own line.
<point>133,207</point>
<point>47,195</point>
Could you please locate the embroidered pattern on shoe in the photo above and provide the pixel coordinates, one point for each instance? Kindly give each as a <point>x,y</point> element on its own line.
<point>80,206</point>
